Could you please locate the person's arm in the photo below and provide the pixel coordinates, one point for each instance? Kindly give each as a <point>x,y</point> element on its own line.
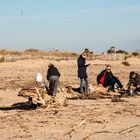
<point>87,65</point>
<point>48,74</point>
<point>138,81</point>
<point>129,83</point>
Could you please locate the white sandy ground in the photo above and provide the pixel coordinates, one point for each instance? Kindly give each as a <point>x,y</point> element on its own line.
<point>81,119</point>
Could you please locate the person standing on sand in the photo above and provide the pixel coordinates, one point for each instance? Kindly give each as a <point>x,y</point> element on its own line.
<point>53,76</point>
<point>82,74</point>
<point>108,80</point>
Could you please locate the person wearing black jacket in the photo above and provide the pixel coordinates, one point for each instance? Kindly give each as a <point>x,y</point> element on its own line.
<point>108,80</point>
<point>134,80</point>
<point>82,74</point>
<point>53,77</point>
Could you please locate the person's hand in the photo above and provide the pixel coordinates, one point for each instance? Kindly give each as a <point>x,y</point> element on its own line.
<point>100,85</point>
<point>127,86</point>
<point>106,89</point>
<point>123,88</point>
<point>88,64</point>
<point>138,86</point>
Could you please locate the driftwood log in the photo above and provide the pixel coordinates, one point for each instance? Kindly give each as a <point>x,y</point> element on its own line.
<point>37,94</point>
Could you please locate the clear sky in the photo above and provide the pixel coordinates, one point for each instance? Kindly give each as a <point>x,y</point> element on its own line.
<point>70,24</point>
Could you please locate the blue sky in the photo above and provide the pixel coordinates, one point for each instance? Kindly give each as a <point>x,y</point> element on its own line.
<point>70,24</point>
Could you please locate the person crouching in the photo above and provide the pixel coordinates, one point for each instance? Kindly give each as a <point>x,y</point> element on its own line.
<point>134,83</point>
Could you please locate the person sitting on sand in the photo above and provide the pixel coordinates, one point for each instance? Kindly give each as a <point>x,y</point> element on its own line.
<point>82,74</point>
<point>53,76</point>
<point>108,80</point>
<point>134,82</point>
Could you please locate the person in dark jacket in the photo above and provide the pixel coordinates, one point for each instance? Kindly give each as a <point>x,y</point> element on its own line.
<point>108,80</point>
<point>53,76</point>
<point>134,80</point>
<point>82,74</point>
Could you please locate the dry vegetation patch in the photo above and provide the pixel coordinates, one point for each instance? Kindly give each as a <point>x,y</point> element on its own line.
<point>126,63</point>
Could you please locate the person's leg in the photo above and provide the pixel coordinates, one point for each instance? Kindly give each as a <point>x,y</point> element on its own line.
<point>138,89</point>
<point>86,85</point>
<point>56,79</point>
<point>81,85</point>
<point>132,91</point>
<point>51,85</point>
<point>118,82</point>
<point>110,87</point>
<point>111,84</point>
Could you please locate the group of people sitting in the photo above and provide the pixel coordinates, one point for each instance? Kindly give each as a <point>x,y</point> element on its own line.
<point>111,82</point>
<point>105,78</point>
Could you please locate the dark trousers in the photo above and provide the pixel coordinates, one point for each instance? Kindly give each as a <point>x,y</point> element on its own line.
<point>138,89</point>
<point>114,81</point>
<point>132,90</point>
<point>53,80</point>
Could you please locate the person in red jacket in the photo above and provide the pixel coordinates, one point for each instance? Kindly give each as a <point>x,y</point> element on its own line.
<point>108,80</point>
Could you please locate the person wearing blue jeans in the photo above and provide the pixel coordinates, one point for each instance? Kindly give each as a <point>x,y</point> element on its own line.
<point>83,85</point>
<point>82,74</point>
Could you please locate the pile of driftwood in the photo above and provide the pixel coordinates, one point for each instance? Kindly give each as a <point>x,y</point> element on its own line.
<point>37,94</point>
<point>96,92</point>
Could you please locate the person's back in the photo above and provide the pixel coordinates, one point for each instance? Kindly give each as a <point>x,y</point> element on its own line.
<point>52,71</point>
<point>53,76</point>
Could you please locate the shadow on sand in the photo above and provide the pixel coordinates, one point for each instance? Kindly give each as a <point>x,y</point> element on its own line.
<point>20,106</point>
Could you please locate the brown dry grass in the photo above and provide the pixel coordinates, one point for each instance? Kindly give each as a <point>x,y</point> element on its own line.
<point>126,63</point>
<point>8,55</point>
